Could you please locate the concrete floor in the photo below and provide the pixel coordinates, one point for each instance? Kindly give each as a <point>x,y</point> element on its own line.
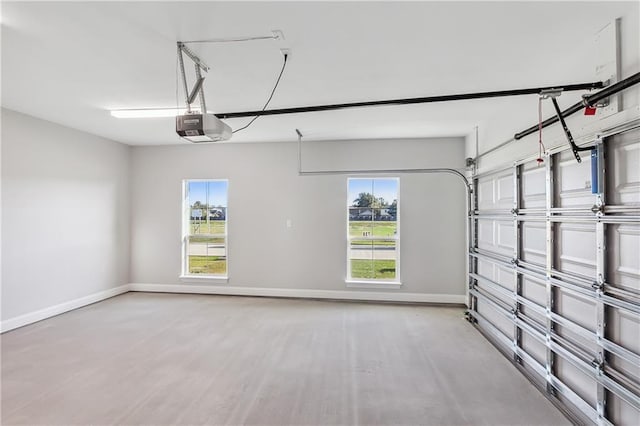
<point>193,359</point>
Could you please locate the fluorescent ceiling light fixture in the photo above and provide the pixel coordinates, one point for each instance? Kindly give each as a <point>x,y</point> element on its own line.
<point>148,112</point>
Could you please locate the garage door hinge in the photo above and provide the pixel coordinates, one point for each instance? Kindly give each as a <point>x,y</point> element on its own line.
<point>598,366</point>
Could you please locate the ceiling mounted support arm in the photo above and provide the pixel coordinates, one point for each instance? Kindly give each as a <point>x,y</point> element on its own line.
<point>183,48</point>
<point>197,89</point>
<point>185,88</point>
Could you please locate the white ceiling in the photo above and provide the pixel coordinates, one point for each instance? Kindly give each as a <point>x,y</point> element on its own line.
<point>72,62</point>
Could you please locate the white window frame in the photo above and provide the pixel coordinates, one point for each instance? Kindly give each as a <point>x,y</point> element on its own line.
<point>374,283</point>
<point>185,276</point>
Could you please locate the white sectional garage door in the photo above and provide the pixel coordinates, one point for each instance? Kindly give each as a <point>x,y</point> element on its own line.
<point>555,274</point>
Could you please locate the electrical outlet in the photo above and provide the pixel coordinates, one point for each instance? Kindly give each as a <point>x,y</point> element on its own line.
<point>286,52</point>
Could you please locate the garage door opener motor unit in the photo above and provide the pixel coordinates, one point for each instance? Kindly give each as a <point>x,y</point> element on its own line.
<point>202,128</point>
<point>198,127</point>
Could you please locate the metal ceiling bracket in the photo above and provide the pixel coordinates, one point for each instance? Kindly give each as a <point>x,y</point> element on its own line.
<point>197,89</point>
<point>550,93</point>
<point>469,162</point>
<point>183,48</point>
<point>602,103</point>
<point>599,104</point>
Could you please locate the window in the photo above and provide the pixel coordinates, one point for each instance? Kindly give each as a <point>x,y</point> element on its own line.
<point>373,231</point>
<point>204,242</point>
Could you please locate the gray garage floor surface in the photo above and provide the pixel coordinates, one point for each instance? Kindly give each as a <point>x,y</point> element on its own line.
<point>194,359</point>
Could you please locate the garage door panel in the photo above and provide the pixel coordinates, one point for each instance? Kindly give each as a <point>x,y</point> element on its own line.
<point>586,345</point>
<point>534,348</point>
<point>533,315</point>
<point>574,256</point>
<point>578,309</point>
<point>486,269</point>
<point>623,328</point>
<point>621,412</point>
<point>534,243</point>
<point>625,367</point>
<point>505,278</point>
<point>534,290</point>
<point>495,318</point>
<point>504,195</point>
<point>623,154</point>
<point>506,299</point>
<point>495,192</point>
<point>623,250</point>
<point>577,381</point>
<point>496,236</point>
<point>486,234</point>
<point>486,194</point>
<point>573,181</point>
<point>505,237</point>
<point>576,244</point>
<point>533,184</point>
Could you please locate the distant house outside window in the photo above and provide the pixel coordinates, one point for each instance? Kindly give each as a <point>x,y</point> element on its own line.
<point>373,231</point>
<point>205,215</point>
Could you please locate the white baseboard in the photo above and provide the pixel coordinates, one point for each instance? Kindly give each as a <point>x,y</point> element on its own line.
<point>49,312</point>
<point>302,293</point>
<point>380,296</point>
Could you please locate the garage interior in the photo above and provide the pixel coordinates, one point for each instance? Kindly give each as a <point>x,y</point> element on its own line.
<point>327,213</point>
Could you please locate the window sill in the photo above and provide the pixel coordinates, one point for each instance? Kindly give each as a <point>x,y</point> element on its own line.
<point>200,279</point>
<point>373,284</point>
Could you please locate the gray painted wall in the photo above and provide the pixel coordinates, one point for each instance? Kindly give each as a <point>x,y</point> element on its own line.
<point>265,190</point>
<point>65,214</point>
